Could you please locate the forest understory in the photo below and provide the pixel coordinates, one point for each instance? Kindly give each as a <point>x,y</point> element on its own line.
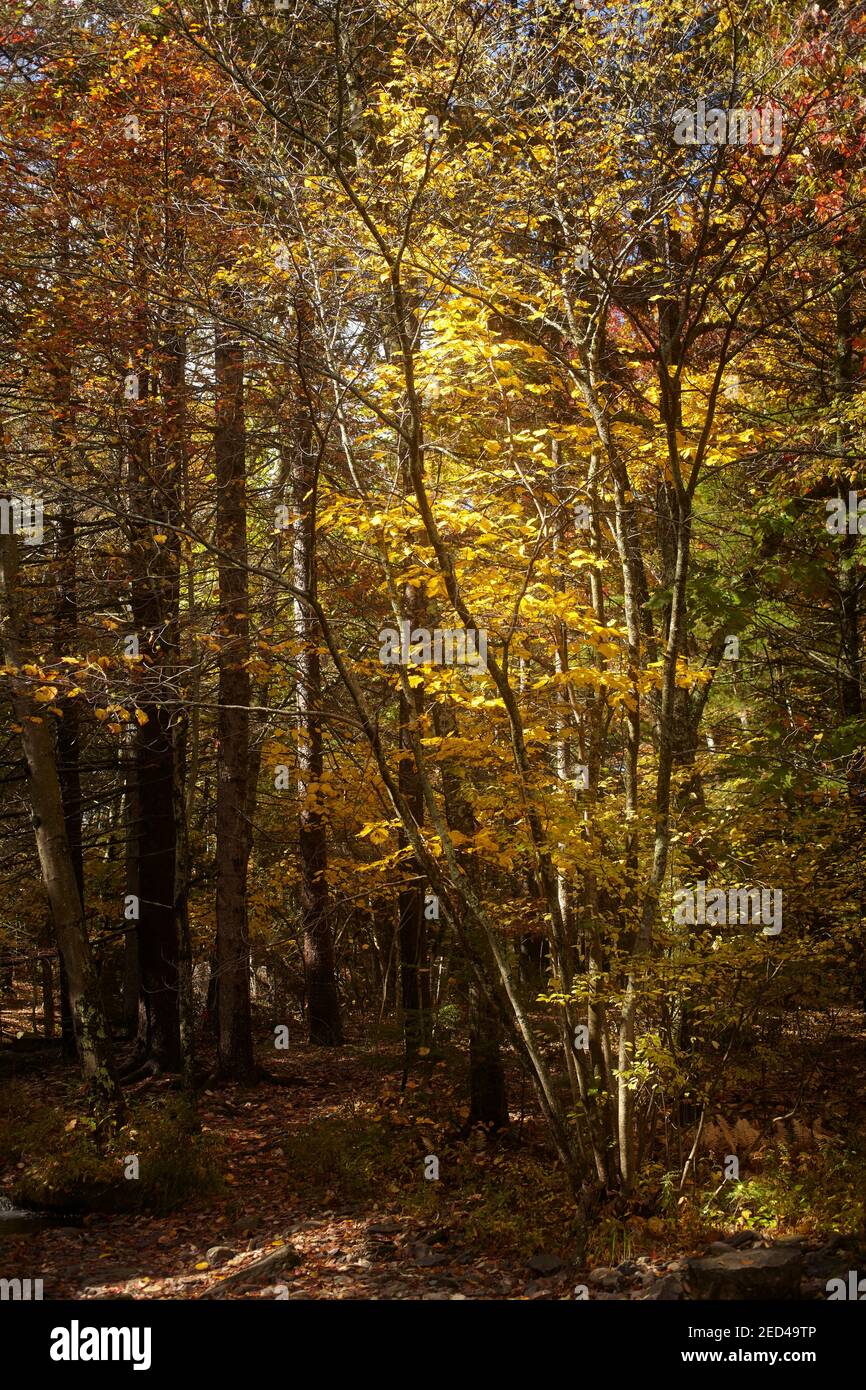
<point>302,1193</point>
<point>432,630</point>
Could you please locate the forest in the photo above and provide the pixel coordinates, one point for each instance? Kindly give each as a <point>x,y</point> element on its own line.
<point>432,622</point>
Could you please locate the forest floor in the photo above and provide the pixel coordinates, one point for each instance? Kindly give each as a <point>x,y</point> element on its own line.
<point>319,1192</point>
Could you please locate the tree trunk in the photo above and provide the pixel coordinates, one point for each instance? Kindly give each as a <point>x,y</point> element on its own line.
<point>154,600</point>
<point>323,1007</point>
<point>66,627</point>
<point>234,1039</point>
<point>132,1001</point>
<point>488,1102</point>
<point>55,858</point>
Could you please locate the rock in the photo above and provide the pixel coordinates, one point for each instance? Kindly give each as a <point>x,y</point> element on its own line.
<point>789,1242</point>
<point>597,1276</point>
<point>219,1254</point>
<point>611,1282</point>
<point>813,1288</point>
<point>746,1274</point>
<point>384,1228</point>
<point>545,1264</point>
<point>718,1247</point>
<point>834,1243</point>
<point>427,1258</point>
<point>824,1264</point>
<point>665,1290</point>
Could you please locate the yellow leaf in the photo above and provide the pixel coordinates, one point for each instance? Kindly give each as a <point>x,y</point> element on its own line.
<point>45,693</point>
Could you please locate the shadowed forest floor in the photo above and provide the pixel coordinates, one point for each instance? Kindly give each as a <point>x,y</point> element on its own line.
<point>320,1171</point>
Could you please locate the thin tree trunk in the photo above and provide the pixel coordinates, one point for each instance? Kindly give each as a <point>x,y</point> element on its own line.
<point>323,1007</point>
<point>132,1002</point>
<point>55,858</point>
<point>234,1039</point>
<point>66,620</point>
<point>488,1101</point>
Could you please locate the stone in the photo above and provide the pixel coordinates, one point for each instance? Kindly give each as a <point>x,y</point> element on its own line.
<point>220,1254</point>
<point>746,1274</point>
<point>825,1264</point>
<point>813,1288</point>
<point>718,1247</point>
<point>545,1264</point>
<point>384,1228</point>
<point>426,1258</point>
<point>665,1290</point>
<point>597,1276</point>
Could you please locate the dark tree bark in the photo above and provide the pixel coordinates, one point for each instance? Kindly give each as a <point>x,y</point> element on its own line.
<point>487,1094</point>
<point>154,596</point>
<point>66,615</point>
<point>850,575</point>
<point>132,1001</point>
<point>234,1039</point>
<point>323,1006</point>
<point>488,1101</point>
<point>412,931</point>
<point>47,996</point>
